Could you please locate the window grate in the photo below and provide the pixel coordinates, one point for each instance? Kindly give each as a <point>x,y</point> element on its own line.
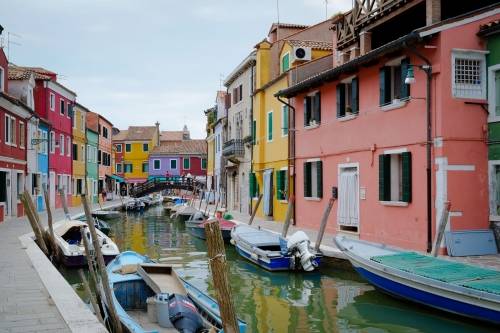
<point>468,81</point>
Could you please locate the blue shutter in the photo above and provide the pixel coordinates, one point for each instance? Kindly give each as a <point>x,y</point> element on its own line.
<point>405,88</point>
<point>384,177</point>
<point>307,110</point>
<point>355,95</point>
<point>385,85</point>
<point>307,179</point>
<point>317,107</point>
<point>319,178</point>
<point>406,177</point>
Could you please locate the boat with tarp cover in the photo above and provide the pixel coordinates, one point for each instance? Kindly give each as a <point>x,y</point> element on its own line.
<point>450,286</point>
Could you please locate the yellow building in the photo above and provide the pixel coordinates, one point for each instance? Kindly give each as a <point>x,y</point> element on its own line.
<point>275,57</point>
<point>79,144</point>
<point>138,143</point>
<point>211,118</point>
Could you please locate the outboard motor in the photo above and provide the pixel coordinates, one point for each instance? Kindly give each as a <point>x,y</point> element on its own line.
<point>299,242</point>
<point>184,315</point>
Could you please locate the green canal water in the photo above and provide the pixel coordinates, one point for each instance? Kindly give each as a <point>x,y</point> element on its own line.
<point>335,299</point>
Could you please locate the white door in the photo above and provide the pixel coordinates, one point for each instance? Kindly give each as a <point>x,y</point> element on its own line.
<point>348,205</point>
<point>52,189</point>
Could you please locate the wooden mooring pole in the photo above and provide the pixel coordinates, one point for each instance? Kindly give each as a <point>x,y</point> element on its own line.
<point>46,198</point>
<point>102,267</point>
<point>25,198</point>
<point>93,301</point>
<point>442,227</point>
<point>324,220</point>
<point>218,267</point>
<point>288,216</point>
<point>254,211</point>
<point>64,203</point>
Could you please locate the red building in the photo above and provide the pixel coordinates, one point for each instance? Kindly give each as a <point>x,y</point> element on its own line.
<point>118,148</point>
<point>13,115</point>
<point>54,102</point>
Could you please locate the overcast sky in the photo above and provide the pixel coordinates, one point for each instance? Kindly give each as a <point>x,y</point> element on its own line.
<point>140,61</point>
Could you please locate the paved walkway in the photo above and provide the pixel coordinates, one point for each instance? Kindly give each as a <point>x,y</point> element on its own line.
<point>25,304</point>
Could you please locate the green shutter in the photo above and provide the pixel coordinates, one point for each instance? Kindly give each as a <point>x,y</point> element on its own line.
<point>307,179</point>
<point>285,120</point>
<point>203,163</point>
<point>385,85</point>
<point>307,110</point>
<point>405,88</point>
<point>270,126</point>
<point>278,184</point>
<point>355,95</point>
<point>285,63</point>
<point>340,100</point>
<point>252,185</point>
<point>384,177</point>
<point>254,130</point>
<point>317,107</point>
<point>186,163</point>
<point>406,161</point>
<point>319,178</point>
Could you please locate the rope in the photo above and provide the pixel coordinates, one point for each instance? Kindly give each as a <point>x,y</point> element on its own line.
<point>220,255</point>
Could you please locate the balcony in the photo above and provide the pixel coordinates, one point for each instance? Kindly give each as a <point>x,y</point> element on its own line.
<point>233,149</point>
<point>310,68</point>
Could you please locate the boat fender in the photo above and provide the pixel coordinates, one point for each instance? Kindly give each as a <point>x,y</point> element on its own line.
<point>184,315</point>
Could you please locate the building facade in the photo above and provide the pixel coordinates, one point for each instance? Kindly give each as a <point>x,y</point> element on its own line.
<point>79,153</point>
<point>211,115</point>
<point>237,149</point>
<point>220,134</point>
<point>179,158</point>
<point>371,140</point>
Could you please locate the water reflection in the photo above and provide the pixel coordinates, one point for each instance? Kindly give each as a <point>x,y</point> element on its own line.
<point>332,300</point>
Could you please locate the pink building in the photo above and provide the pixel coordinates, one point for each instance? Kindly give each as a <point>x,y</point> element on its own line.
<point>54,102</point>
<point>371,141</point>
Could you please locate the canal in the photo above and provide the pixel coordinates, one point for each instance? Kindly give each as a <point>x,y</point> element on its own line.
<point>334,299</point>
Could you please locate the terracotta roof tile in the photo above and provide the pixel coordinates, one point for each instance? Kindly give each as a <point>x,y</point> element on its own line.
<point>187,147</point>
<point>136,133</point>
<point>120,136</point>
<point>171,135</point>
<point>24,73</point>
<point>313,44</point>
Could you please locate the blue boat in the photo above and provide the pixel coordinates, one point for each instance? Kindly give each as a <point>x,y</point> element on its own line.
<point>272,252</point>
<point>442,284</point>
<point>144,293</point>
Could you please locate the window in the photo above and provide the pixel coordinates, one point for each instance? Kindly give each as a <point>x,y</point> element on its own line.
<point>254,186</point>
<point>118,148</point>
<point>128,168</point>
<point>62,107</point>
<point>186,165</point>
<point>52,102</point>
<point>494,93</point>
<point>237,94</point>
<point>105,132</point>
<point>145,167</point>
<point>10,130</point>
<point>313,179</point>
<point>469,74</point>
<point>156,164</point>
<point>145,147</point>
<point>99,156</point>
<point>284,120</point>
<point>75,152</point>
<point>203,164</point>
<point>392,81</point>
<point>348,98</point>
<point>52,142</point>
<point>22,135</point>
<point>312,109</point>
<point>281,182</point>
<point>128,147</point>
<point>68,144</point>
<point>79,186</point>
<point>285,62</point>
<point>173,164</point>
<point>270,126</point>
<point>118,167</point>
<point>395,177</point>
<point>2,78</point>
<point>89,153</point>
<point>61,144</point>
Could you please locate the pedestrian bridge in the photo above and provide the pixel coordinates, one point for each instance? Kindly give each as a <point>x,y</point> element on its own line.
<point>166,183</point>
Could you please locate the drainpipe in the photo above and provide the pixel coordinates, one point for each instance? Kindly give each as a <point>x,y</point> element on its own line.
<point>427,68</point>
<point>291,148</point>
<point>251,130</point>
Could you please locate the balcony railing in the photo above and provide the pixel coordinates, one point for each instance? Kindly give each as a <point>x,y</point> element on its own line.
<point>308,69</point>
<point>233,148</point>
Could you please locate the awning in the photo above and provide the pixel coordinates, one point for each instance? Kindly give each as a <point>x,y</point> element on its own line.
<point>117,178</point>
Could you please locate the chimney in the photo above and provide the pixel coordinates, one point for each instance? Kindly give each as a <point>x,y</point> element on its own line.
<point>185,133</point>
<point>157,133</point>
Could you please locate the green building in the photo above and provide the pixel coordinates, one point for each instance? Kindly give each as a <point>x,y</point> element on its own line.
<point>92,170</point>
<point>491,34</point>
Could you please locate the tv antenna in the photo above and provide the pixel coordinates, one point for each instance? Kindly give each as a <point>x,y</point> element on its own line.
<point>9,42</point>
<point>326,9</point>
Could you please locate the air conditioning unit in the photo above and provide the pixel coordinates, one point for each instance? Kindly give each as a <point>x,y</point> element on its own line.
<point>301,54</point>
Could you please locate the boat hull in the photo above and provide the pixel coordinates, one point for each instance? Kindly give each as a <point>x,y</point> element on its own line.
<point>434,300</point>
<point>199,232</point>
<point>81,260</point>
